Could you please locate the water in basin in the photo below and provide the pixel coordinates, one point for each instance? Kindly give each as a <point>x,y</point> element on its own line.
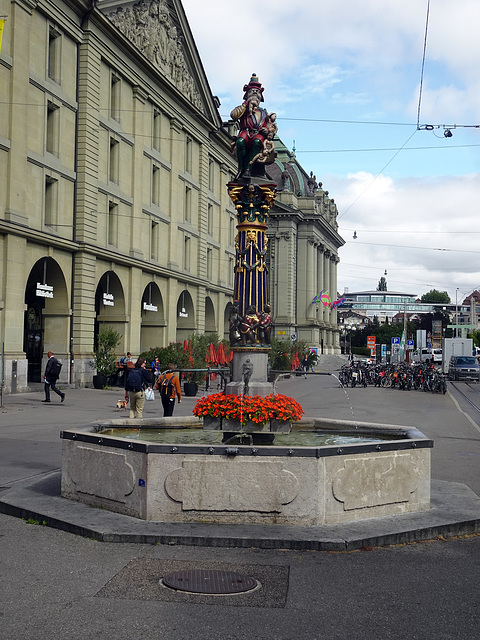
<point>199,436</point>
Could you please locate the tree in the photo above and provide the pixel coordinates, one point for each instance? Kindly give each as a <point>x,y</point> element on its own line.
<point>475,334</point>
<point>435,296</point>
<point>382,284</point>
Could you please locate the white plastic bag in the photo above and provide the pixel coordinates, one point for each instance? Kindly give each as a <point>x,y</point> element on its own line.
<point>149,394</point>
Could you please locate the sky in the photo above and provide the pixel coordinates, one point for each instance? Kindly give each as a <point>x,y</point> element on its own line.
<point>354,84</point>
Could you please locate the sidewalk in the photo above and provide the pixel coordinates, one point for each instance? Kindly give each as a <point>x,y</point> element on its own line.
<point>31,459</point>
<point>70,587</point>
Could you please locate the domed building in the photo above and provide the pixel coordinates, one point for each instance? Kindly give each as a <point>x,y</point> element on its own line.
<point>303,254</point>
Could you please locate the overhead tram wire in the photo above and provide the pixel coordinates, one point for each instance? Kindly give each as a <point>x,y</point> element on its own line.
<point>405,246</point>
<point>423,65</point>
<point>378,174</point>
<point>415,233</point>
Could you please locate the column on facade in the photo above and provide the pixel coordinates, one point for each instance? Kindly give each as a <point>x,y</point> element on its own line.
<point>326,282</point>
<point>326,310</point>
<point>334,314</point>
<point>281,287</point>
<point>320,282</point>
<point>310,279</point>
<point>333,288</point>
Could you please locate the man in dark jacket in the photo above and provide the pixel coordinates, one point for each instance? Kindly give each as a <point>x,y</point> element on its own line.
<point>138,379</point>
<point>52,373</point>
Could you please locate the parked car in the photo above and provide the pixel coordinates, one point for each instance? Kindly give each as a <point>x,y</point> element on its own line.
<point>427,355</point>
<point>464,368</point>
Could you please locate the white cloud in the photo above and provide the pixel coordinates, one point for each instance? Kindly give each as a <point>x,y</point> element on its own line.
<point>349,61</point>
<point>391,217</point>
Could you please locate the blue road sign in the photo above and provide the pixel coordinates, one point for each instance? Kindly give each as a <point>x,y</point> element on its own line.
<point>410,343</point>
<point>395,340</point>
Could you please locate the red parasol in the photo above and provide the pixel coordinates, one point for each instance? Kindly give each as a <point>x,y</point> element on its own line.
<point>221,357</point>
<point>295,361</point>
<point>185,346</point>
<point>211,359</point>
<point>211,355</point>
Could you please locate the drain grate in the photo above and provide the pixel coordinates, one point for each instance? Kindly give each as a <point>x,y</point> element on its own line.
<point>209,581</point>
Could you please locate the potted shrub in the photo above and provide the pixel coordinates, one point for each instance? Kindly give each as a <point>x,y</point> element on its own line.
<point>104,356</point>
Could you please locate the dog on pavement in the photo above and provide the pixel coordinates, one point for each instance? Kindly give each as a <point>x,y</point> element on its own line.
<point>121,404</point>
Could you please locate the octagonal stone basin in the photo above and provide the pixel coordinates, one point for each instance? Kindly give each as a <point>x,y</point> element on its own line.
<point>294,484</point>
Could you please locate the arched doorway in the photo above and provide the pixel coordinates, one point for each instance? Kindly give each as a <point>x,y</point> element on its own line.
<point>46,320</point>
<point>110,305</point>
<point>185,316</point>
<point>226,321</point>
<point>210,324</point>
<point>152,331</point>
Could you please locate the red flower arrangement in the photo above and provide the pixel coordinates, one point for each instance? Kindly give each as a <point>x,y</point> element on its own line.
<point>243,408</point>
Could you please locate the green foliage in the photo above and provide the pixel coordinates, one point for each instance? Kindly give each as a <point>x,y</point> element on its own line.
<point>279,356</point>
<point>475,335</point>
<point>383,334</point>
<point>435,296</point>
<point>104,356</point>
<point>282,353</point>
<point>182,359</point>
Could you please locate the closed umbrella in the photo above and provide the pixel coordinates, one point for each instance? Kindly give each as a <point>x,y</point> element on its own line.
<point>295,361</point>
<point>221,358</point>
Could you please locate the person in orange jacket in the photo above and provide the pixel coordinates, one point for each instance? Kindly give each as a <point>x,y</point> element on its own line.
<point>169,386</point>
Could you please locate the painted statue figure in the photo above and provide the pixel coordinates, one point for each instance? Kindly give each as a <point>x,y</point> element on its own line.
<point>255,125</point>
<point>234,322</point>
<point>249,326</point>
<point>247,370</point>
<point>265,326</point>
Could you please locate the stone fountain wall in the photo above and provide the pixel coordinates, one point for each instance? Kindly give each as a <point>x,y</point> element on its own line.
<point>247,485</point>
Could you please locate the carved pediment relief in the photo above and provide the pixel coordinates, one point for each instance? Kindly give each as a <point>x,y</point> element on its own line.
<point>151,28</point>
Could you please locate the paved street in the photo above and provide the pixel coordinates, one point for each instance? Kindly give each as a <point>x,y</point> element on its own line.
<point>60,586</point>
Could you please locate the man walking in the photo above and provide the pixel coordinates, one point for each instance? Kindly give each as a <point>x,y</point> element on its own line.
<point>169,386</point>
<point>52,373</point>
<point>138,379</point>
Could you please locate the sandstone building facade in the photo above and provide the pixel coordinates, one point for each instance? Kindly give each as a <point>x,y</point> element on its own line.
<point>113,206</point>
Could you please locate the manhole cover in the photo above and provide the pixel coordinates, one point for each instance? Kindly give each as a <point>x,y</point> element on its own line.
<point>208,581</point>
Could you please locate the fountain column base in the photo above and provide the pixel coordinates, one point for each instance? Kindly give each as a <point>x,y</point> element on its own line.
<point>250,372</point>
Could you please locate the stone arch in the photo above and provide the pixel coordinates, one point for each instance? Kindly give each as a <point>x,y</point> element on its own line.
<point>110,306</point>
<point>47,317</point>
<point>185,316</point>
<point>210,323</point>
<point>226,320</point>
<point>152,330</point>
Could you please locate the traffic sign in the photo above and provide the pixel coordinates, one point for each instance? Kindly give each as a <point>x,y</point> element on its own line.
<point>293,337</point>
<point>410,344</point>
<point>395,340</point>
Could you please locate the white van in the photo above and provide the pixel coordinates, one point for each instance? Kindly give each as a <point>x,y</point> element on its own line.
<point>432,355</point>
<point>427,355</point>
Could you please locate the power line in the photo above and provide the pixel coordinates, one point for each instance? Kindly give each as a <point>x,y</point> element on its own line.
<point>423,65</point>
<point>456,146</point>
<point>378,174</point>
<point>415,233</point>
<point>403,246</point>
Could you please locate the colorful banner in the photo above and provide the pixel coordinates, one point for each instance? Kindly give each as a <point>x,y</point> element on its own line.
<point>338,303</point>
<point>326,300</point>
<point>318,298</point>
<point>2,24</point>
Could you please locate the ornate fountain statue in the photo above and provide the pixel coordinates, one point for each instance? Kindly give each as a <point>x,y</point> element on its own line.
<point>253,194</point>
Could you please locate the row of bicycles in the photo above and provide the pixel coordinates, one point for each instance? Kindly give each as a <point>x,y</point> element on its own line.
<point>405,376</point>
